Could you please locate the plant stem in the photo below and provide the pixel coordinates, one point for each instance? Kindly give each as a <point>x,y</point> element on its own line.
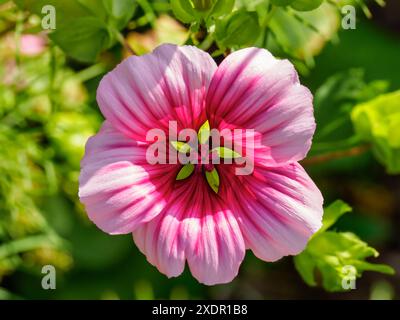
<point>334,155</point>
<point>148,11</point>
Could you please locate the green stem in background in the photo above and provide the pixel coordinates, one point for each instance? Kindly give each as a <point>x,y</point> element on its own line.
<point>335,155</point>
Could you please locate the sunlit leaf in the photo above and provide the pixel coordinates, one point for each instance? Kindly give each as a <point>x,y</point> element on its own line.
<point>183,10</point>
<point>281,3</point>
<point>378,121</point>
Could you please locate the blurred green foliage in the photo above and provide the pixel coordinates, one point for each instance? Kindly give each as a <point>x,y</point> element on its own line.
<point>48,110</point>
<point>85,27</point>
<point>378,122</point>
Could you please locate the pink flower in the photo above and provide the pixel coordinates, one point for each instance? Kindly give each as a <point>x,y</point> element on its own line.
<point>273,211</point>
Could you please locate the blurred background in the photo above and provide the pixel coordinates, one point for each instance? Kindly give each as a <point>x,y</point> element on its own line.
<point>48,110</point>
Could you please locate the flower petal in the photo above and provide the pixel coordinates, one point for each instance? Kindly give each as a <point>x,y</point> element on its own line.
<point>118,187</point>
<point>197,227</point>
<point>253,90</point>
<point>147,92</point>
<point>278,209</point>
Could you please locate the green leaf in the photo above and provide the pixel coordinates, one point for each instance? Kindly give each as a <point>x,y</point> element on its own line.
<point>212,178</point>
<point>203,5</point>
<point>181,147</point>
<point>241,28</point>
<point>302,35</point>
<point>227,153</point>
<point>185,172</point>
<point>378,121</point>
<point>196,10</point>
<point>204,133</point>
<point>306,5</point>
<point>222,7</point>
<point>83,38</point>
<point>84,28</point>
<point>331,253</point>
<point>333,101</point>
<point>332,213</point>
<point>183,10</point>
